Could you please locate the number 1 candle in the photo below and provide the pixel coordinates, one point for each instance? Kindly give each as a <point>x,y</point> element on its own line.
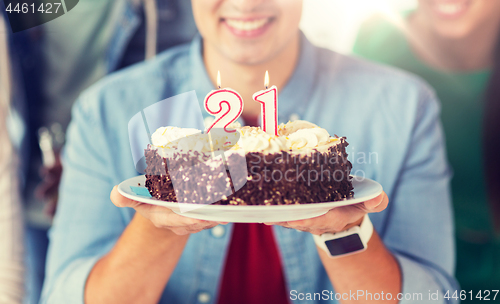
<point>233,108</point>
<point>268,100</point>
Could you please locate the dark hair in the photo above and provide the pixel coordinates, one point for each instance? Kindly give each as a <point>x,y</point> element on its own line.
<point>491,139</point>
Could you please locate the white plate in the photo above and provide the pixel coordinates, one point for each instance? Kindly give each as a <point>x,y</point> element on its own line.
<point>364,189</point>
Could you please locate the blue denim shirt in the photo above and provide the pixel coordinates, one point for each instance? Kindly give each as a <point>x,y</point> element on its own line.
<point>390,118</point>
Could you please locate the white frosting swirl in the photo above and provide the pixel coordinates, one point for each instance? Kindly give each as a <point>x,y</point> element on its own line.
<point>307,138</point>
<point>255,140</point>
<point>295,136</point>
<point>294,126</point>
<point>165,136</point>
<point>173,138</point>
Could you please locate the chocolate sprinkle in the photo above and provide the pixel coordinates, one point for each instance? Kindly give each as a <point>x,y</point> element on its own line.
<point>272,179</point>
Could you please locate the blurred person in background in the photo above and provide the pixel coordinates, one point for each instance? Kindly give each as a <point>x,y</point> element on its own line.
<point>455,46</point>
<point>60,59</point>
<point>11,220</point>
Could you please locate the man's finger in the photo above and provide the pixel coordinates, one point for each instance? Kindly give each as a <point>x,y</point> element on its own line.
<point>377,204</point>
<point>120,200</point>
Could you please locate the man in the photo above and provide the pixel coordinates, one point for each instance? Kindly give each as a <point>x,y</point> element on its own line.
<point>103,254</point>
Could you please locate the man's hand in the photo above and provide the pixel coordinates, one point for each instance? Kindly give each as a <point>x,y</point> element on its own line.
<point>163,217</point>
<point>140,264</point>
<point>374,270</point>
<point>338,219</point>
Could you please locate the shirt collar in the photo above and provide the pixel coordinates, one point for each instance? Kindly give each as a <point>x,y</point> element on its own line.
<point>293,96</point>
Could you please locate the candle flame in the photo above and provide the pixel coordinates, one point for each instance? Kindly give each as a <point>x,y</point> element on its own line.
<point>266,79</point>
<point>218,79</point>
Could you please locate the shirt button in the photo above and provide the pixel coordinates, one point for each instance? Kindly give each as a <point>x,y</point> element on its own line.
<point>218,231</point>
<point>294,117</point>
<point>203,297</point>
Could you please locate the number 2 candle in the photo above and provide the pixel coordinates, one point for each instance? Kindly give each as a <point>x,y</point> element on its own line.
<point>225,104</point>
<point>268,100</point>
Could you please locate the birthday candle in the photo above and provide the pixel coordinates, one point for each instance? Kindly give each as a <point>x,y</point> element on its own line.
<point>226,105</point>
<point>268,100</point>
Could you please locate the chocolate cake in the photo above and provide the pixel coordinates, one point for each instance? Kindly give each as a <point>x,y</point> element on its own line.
<point>302,165</point>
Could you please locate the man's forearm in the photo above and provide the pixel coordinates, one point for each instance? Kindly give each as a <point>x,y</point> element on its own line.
<point>139,266</point>
<point>374,270</point>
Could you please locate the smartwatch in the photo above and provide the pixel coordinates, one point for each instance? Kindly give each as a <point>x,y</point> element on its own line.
<point>350,241</point>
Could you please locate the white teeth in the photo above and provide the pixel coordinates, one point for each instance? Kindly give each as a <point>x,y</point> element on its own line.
<point>450,8</point>
<point>247,25</point>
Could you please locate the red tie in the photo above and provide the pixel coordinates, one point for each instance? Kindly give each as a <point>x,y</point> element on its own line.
<point>253,272</point>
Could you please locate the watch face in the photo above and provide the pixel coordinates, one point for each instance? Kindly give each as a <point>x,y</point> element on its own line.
<point>348,244</point>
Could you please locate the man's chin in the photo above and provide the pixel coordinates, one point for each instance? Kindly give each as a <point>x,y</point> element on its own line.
<point>250,61</point>
<point>248,58</point>
<point>248,55</point>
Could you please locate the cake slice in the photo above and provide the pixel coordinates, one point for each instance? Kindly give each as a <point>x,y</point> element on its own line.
<point>302,165</point>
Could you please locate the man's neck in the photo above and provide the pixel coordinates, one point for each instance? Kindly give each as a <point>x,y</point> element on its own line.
<point>471,53</point>
<point>248,79</point>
